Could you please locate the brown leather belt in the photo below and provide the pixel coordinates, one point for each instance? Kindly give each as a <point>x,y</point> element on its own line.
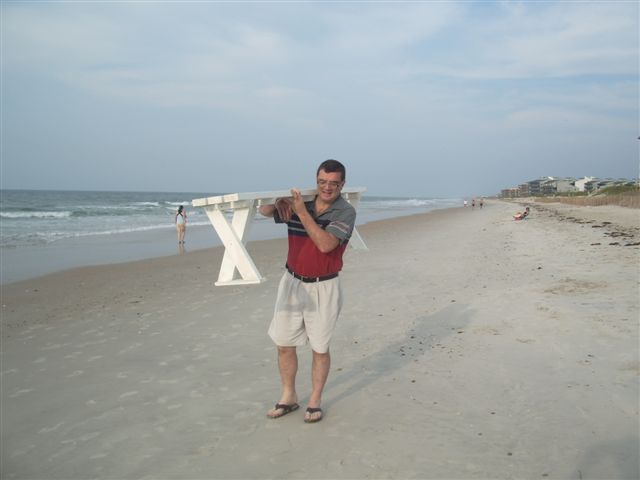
<point>311,279</point>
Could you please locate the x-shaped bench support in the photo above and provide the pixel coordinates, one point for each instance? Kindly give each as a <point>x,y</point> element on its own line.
<point>237,266</point>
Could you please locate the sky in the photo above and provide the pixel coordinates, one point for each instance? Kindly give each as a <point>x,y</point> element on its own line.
<point>429,99</point>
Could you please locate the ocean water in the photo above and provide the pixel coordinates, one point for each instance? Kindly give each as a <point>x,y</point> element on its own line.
<point>46,231</point>
<point>32,217</point>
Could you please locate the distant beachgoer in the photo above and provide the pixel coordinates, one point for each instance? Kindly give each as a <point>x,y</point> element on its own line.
<point>465,203</point>
<point>522,215</point>
<point>309,296</point>
<point>181,224</point>
<point>473,203</point>
<point>481,203</point>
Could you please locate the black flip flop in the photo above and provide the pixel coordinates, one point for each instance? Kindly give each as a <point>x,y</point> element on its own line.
<point>313,410</point>
<point>285,409</point>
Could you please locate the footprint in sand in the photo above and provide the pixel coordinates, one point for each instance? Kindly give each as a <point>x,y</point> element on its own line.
<point>19,393</point>
<point>574,286</point>
<point>50,429</point>
<point>127,395</point>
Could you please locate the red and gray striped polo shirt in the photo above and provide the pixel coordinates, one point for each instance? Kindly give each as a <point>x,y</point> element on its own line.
<point>304,258</point>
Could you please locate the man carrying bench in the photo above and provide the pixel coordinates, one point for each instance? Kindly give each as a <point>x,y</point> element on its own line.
<point>309,295</point>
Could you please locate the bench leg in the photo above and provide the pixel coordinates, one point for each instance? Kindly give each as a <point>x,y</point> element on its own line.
<point>236,261</point>
<point>356,242</point>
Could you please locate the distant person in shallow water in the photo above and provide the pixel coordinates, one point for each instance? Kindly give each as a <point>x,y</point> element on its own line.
<point>181,224</point>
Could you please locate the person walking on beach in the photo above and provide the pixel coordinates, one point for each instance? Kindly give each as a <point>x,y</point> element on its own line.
<point>309,296</point>
<point>181,224</point>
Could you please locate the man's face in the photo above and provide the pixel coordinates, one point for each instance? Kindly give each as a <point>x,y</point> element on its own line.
<point>329,185</point>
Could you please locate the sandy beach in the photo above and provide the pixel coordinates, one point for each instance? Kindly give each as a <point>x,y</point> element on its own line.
<point>470,346</point>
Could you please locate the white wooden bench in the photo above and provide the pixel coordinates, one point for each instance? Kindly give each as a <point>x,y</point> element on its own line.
<point>237,266</point>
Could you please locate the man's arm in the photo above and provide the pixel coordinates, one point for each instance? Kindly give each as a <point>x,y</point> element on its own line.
<point>267,210</point>
<point>322,239</point>
<point>282,205</point>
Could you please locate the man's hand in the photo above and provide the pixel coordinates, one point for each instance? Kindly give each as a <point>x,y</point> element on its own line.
<point>324,241</point>
<point>297,204</point>
<point>285,208</point>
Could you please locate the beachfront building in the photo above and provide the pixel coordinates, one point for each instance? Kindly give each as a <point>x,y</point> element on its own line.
<point>546,186</point>
<point>597,184</point>
<point>549,186</point>
<point>539,187</point>
<point>565,185</point>
<point>554,186</point>
<point>593,186</point>
<point>535,187</point>
<point>510,192</point>
<point>524,190</point>
<point>580,184</point>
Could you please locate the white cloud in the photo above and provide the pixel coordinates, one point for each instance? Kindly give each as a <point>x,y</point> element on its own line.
<point>55,38</point>
<point>375,29</point>
<point>561,39</point>
<point>244,49</point>
<point>559,121</point>
<point>363,47</point>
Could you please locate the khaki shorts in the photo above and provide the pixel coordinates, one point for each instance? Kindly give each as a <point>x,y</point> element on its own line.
<point>306,312</point>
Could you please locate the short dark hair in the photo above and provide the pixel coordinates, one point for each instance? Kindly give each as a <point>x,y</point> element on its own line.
<point>331,166</point>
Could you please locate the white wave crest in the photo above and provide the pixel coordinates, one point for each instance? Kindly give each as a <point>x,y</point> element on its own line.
<point>35,214</point>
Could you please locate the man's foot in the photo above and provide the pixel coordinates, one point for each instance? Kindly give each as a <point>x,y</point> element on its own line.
<point>281,409</point>
<point>312,415</point>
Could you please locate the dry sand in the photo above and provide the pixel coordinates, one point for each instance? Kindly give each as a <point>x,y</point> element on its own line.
<point>470,346</point>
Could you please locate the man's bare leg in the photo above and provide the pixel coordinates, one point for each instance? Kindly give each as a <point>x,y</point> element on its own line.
<point>319,373</point>
<point>288,366</point>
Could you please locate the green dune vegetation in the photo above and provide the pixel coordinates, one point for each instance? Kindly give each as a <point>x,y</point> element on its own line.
<point>622,195</point>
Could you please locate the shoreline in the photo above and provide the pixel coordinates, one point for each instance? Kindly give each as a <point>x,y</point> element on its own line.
<point>30,262</point>
<point>470,346</point>
<point>213,252</point>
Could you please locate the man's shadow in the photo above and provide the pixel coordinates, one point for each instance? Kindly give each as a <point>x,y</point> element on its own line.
<point>427,332</point>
